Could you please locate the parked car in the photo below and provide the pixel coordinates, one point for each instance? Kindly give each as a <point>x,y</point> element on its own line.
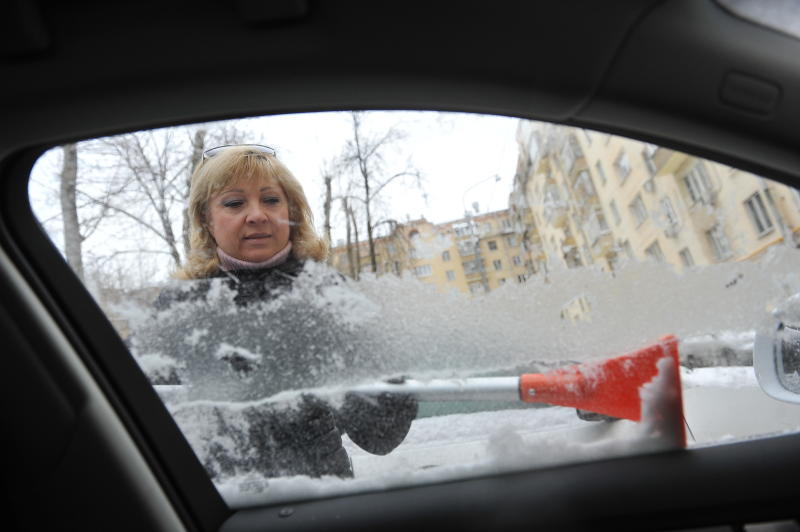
<point>88,444</point>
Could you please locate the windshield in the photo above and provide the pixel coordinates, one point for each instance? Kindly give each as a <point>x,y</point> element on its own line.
<point>359,300</point>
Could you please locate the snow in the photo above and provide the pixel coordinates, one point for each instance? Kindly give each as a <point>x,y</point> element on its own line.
<point>227,352</point>
<point>728,377</point>
<point>159,368</point>
<point>328,335</point>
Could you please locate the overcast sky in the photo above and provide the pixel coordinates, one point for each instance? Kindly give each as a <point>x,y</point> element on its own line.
<point>459,155</point>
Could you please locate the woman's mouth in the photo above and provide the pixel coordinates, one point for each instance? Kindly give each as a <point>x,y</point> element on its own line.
<point>257,236</point>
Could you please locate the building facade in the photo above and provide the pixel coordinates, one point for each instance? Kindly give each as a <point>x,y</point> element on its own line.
<point>474,254</point>
<point>602,199</point>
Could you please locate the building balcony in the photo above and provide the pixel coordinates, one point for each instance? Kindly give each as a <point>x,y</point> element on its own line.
<point>555,213</point>
<point>467,248</point>
<point>596,227</point>
<point>671,231</point>
<point>666,161</point>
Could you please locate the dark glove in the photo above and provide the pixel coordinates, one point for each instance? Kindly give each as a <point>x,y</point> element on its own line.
<point>307,440</point>
<point>377,424</point>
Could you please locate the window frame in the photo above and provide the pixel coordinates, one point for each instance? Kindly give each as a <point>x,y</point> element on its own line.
<point>719,243</point>
<point>638,209</point>
<point>763,463</point>
<point>622,170</point>
<point>759,215</point>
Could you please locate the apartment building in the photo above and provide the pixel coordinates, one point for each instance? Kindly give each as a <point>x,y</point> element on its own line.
<point>601,199</point>
<point>474,254</point>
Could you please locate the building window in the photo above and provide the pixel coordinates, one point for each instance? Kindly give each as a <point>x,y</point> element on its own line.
<point>492,245</point>
<point>647,154</point>
<point>600,172</point>
<point>686,257</point>
<point>446,256</point>
<point>584,181</point>
<point>698,184</point>
<point>569,153</point>
<point>511,241</point>
<point>462,229</point>
<point>506,225</point>
<point>498,264</point>
<point>472,266</point>
<point>758,214</point>
<point>391,249</point>
<point>422,271</point>
<point>521,278</point>
<point>638,210</point>
<point>670,217</point>
<point>517,260</point>
<point>622,165</point>
<point>654,252</point>
<point>397,267</point>
<point>628,249</point>
<point>451,275</point>
<point>475,287</point>
<point>615,212</point>
<point>501,281</point>
<point>719,242</point>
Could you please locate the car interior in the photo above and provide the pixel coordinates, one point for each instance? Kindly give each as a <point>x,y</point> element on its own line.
<point>87,443</point>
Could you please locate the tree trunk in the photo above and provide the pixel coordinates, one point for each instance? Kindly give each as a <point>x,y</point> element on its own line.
<point>364,169</point>
<point>350,262</point>
<point>370,239</point>
<point>357,247</point>
<point>327,210</point>
<point>69,209</point>
<point>198,143</point>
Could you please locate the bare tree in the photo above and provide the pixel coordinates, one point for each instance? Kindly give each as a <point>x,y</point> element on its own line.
<point>79,218</point>
<point>153,164</point>
<point>365,153</point>
<point>152,171</point>
<point>198,144</point>
<point>69,209</point>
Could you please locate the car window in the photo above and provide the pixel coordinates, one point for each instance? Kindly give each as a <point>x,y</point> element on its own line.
<point>376,336</point>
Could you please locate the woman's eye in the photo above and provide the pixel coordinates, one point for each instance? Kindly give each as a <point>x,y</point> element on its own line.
<point>272,200</point>
<point>233,204</point>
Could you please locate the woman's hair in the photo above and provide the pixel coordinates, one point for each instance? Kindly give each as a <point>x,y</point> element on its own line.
<point>215,174</point>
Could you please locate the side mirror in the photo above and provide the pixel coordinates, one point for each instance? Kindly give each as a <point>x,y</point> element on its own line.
<point>776,354</point>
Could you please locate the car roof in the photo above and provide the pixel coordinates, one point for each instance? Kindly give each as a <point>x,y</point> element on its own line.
<point>676,72</point>
<point>686,74</point>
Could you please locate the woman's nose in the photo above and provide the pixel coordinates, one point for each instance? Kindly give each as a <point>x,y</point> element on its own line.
<point>256,214</point>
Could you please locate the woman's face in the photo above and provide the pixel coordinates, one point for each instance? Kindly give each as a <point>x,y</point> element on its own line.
<point>250,219</point>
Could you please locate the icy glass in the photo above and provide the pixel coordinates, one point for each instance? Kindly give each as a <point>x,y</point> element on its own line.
<point>490,248</point>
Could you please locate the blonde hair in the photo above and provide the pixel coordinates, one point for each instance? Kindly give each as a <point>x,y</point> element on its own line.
<point>217,173</point>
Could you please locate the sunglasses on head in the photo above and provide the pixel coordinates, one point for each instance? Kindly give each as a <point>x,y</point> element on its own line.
<point>255,147</point>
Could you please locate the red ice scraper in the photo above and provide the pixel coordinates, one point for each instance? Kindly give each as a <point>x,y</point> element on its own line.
<point>614,387</point>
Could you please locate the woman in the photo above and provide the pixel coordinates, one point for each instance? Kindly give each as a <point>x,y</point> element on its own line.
<point>252,226</point>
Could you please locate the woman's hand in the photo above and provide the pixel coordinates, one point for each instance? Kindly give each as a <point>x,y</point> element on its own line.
<point>377,424</point>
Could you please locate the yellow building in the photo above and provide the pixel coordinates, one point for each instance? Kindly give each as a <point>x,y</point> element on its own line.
<point>598,199</point>
<point>475,254</point>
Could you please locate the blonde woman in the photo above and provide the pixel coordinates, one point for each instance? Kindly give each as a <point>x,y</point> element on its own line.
<point>251,226</point>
